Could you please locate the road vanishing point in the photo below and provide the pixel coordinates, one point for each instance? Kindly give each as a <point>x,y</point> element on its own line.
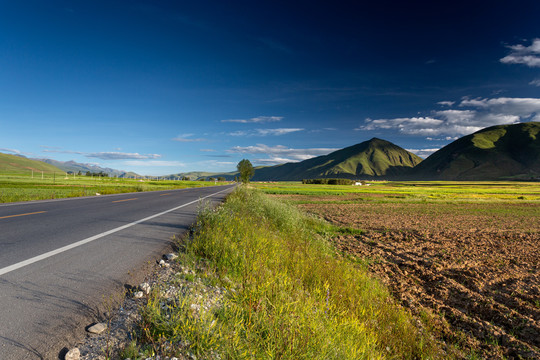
<point>60,260</point>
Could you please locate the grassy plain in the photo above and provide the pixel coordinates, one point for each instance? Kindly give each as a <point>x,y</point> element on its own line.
<point>382,191</point>
<point>23,187</point>
<point>462,257</point>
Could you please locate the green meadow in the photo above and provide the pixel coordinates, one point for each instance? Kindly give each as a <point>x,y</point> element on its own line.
<point>382,191</point>
<point>24,187</point>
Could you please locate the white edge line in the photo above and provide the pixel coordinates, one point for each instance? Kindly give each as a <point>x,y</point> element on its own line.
<point>92,238</point>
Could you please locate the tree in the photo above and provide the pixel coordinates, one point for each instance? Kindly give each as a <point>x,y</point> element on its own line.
<point>246,170</point>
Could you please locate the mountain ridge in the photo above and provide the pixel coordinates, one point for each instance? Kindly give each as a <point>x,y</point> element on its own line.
<point>73,166</point>
<point>501,152</point>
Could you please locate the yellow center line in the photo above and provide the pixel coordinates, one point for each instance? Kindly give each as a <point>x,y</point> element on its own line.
<point>124,200</point>
<point>164,194</point>
<point>10,216</point>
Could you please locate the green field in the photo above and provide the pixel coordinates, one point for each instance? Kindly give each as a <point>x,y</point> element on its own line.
<point>382,191</point>
<point>17,187</point>
<point>23,179</point>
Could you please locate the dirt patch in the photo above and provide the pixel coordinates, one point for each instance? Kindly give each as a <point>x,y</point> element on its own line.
<point>470,270</point>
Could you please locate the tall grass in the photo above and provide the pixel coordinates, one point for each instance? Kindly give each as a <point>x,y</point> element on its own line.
<point>290,296</point>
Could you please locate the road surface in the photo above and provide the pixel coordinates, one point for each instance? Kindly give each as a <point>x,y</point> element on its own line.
<point>62,260</point>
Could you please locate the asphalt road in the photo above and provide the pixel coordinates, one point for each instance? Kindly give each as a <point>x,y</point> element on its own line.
<point>62,261</point>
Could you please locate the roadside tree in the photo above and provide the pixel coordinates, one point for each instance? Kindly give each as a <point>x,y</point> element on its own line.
<point>246,170</point>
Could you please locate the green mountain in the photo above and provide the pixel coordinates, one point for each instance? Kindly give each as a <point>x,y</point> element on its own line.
<point>375,158</point>
<point>16,164</point>
<point>502,152</point>
<point>193,175</point>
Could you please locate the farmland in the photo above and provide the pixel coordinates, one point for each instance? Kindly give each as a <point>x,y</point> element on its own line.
<point>24,187</point>
<point>461,257</point>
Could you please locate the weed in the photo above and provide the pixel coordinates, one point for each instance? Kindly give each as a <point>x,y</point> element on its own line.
<point>289,296</point>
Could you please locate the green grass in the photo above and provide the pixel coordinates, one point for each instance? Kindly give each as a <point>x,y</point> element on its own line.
<point>54,186</point>
<point>448,191</point>
<point>17,165</point>
<point>289,294</point>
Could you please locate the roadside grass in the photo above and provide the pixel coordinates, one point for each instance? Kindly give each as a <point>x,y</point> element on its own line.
<point>287,293</point>
<point>24,188</point>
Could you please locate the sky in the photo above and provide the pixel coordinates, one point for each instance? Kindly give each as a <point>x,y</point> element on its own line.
<point>163,87</point>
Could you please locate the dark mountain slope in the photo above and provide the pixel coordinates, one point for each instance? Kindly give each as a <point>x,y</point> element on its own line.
<point>495,153</point>
<point>375,158</point>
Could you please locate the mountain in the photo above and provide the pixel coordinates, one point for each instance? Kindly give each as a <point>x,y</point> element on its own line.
<point>72,166</point>
<point>504,152</point>
<point>193,175</point>
<point>374,158</point>
<point>18,164</point>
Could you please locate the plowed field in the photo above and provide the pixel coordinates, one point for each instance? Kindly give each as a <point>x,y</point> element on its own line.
<point>470,270</point>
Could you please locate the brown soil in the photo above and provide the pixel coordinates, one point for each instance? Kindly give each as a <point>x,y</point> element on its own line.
<point>470,270</point>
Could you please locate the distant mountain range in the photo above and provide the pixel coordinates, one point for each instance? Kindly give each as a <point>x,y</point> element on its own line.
<point>505,152</point>
<point>75,167</point>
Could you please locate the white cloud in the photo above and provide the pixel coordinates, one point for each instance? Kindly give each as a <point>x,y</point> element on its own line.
<point>280,131</point>
<point>423,153</point>
<point>265,132</point>
<point>446,103</point>
<point>511,108</point>
<point>121,156</point>
<point>217,163</point>
<point>258,119</point>
<point>207,150</point>
<point>446,138</point>
<point>14,151</point>
<point>113,155</point>
<point>153,163</point>
<point>527,55</point>
<point>481,113</point>
<point>279,154</point>
<point>186,138</point>
<point>274,161</point>
<point>535,82</point>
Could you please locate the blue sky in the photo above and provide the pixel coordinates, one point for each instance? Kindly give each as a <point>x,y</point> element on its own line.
<point>161,87</point>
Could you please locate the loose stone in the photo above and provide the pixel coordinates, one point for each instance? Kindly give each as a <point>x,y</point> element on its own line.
<point>73,354</point>
<point>97,328</point>
<point>145,287</point>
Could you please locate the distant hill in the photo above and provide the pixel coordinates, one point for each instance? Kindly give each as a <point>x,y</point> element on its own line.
<point>72,166</point>
<point>192,175</point>
<point>17,164</point>
<point>374,158</point>
<point>505,152</point>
